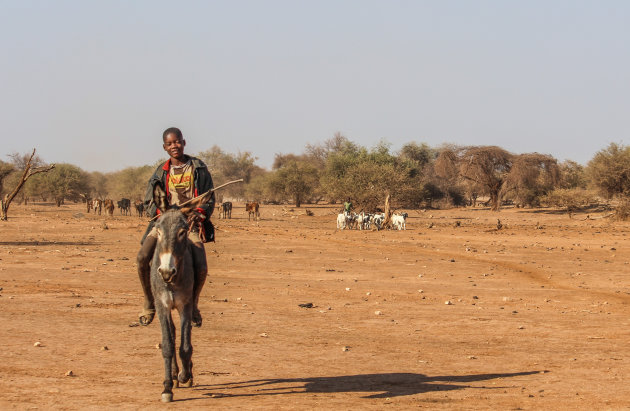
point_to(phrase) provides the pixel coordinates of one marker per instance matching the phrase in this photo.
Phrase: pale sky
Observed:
(94, 83)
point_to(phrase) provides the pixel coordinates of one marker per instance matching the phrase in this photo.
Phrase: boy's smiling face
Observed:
(174, 146)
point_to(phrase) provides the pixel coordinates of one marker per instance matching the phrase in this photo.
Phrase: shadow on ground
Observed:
(55, 243)
(381, 385)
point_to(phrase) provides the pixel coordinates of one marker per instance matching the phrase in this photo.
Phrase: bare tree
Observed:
(29, 171)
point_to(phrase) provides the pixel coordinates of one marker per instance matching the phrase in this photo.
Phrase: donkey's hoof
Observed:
(187, 384)
(167, 397)
(175, 383)
(196, 318)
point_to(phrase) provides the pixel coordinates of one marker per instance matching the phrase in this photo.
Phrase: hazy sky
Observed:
(94, 83)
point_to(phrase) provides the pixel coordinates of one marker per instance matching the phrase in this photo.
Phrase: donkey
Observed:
(172, 281)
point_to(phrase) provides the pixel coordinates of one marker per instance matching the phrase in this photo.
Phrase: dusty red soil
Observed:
(538, 316)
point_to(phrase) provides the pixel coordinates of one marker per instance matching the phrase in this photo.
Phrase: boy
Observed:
(182, 177)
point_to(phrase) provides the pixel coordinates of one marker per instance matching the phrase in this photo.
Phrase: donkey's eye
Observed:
(182, 234)
(159, 233)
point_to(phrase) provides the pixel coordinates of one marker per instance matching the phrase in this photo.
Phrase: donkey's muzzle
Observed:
(168, 273)
(167, 267)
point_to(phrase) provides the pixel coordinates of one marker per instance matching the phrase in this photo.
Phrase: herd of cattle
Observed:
(124, 205)
(367, 221)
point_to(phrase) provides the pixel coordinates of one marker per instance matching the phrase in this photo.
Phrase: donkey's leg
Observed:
(144, 273)
(185, 348)
(168, 351)
(174, 367)
(201, 273)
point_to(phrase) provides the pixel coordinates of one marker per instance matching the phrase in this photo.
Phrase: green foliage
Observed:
(65, 181)
(609, 171)
(226, 167)
(130, 182)
(296, 179)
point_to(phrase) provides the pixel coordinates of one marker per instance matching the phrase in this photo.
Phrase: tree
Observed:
(497, 172)
(531, 177)
(28, 172)
(296, 178)
(485, 166)
(609, 171)
(65, 182)
(227, 167)
(5, 170)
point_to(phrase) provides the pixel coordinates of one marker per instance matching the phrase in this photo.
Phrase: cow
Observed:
(226, 210)
(125, 206)
(252, 210)
(139, 205)
(97, 205)
(108, 205)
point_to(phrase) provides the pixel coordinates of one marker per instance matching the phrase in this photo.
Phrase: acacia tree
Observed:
(67, 181)
(531, 177)
(609, 171)
(226, 167)
(28, 172)
(485, 166)
(296, 178)
(498, 172)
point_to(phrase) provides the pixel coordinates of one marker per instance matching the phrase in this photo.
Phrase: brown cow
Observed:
(252, 209)
(108, 205)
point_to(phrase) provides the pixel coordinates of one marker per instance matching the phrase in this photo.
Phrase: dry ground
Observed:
(538, 316)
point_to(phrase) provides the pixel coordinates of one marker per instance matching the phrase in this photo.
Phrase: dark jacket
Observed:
(202, 181)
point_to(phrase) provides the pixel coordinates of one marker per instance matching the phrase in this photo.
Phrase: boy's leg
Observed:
(200, 266)
(144, 273)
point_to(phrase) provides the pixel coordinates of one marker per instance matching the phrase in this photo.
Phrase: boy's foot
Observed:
(146, 316)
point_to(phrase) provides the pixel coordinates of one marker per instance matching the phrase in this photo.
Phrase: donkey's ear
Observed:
(159, 198)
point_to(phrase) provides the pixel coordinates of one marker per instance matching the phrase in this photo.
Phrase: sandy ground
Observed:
(537, 314)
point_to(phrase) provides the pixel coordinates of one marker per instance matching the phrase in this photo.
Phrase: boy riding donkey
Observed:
(182, 177)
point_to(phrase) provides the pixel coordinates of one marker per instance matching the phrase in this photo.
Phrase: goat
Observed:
(378, 220)
(341, 221)
(172, 282)
(399, 221)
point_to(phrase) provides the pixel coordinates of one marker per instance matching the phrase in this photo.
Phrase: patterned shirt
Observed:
(180, 183)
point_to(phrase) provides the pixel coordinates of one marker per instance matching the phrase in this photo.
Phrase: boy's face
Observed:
(174, 146)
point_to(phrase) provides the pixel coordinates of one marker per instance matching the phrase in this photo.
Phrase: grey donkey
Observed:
(172, 282)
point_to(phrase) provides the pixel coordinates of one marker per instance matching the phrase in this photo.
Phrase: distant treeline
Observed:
(416, 176)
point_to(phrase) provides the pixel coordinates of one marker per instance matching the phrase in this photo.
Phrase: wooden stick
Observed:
(207, 193)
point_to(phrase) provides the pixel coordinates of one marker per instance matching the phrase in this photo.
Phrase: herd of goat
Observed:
(367, 221)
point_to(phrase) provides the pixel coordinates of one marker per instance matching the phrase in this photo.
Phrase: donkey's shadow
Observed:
(385, 385)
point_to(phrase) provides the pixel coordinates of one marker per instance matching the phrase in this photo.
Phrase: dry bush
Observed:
(572, 199)
(623, 210)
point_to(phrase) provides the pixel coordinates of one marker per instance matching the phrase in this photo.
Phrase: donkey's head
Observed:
(172, 233)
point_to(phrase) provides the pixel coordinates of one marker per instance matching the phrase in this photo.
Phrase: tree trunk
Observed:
(388, 214)
(494, 201)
